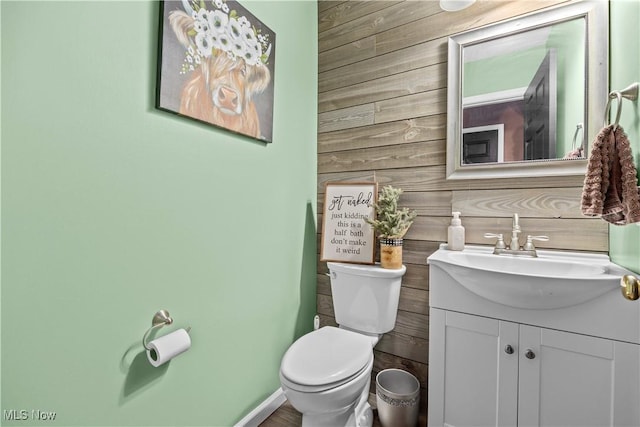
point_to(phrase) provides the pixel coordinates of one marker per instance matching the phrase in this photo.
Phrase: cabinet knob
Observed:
(630, 287)
(529, 354)
(508, 349)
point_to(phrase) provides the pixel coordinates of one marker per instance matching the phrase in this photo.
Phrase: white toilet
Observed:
(326, 373)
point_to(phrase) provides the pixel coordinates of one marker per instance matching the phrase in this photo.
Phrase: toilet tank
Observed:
(365, 297)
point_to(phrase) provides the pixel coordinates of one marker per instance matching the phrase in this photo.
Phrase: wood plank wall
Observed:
(382, 115)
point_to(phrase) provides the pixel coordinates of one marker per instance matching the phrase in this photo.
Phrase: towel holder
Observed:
(579, 127)
(630, 93)
(160, 319)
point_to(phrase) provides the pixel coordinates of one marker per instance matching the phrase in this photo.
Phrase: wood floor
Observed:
(286, 416)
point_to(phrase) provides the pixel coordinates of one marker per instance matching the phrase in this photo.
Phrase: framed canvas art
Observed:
(216, 64)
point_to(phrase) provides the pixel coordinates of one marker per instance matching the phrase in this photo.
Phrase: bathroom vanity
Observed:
(517, 341)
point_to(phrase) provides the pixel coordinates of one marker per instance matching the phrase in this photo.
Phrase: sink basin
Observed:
(553, 280)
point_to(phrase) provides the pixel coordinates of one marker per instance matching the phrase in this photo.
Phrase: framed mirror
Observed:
(526, 96)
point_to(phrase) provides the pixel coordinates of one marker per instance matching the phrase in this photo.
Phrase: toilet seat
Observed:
(325, 358)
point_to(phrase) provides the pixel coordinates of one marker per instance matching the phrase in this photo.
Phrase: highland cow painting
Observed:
(216, 65)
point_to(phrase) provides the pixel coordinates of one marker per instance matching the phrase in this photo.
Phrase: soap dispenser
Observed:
(455, 233)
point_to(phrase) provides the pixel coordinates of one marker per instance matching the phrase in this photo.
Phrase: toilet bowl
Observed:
(326, 373)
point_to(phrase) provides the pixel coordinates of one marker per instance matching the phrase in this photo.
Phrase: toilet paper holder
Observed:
(160, 319)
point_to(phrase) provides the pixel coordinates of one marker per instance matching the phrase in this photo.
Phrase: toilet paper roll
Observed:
(167, 347)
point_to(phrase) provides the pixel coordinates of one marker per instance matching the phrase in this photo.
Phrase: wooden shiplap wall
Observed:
(382, 115)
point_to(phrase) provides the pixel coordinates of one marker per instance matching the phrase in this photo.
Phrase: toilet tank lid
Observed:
(366, 270)
(327, 355)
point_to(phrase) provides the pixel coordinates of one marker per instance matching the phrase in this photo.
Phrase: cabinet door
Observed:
(472, 379)
(576, 380)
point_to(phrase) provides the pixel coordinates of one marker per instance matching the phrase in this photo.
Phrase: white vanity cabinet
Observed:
(494, 364)
(472, 381)
(489, 372)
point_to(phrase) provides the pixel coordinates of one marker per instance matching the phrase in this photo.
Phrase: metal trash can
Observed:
(397, 396)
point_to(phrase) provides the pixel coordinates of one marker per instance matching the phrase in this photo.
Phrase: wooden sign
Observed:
(346, 236)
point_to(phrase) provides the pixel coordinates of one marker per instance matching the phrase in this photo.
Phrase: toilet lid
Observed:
(327, 355)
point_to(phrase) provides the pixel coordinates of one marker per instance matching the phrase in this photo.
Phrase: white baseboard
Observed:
(262, 411)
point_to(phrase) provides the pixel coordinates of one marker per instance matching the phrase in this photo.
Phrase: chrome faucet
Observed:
(515, 230)
(514, 247)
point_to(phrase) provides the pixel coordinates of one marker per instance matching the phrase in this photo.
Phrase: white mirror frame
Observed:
(596, 14)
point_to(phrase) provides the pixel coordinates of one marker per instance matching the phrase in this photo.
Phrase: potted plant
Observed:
(391, 224)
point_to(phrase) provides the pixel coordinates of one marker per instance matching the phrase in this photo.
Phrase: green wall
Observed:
(510, 71)
(624, 242)
(112, 210)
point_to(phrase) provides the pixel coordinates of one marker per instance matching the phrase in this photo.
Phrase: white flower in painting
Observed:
(257, 48)
(204, 14)
(238, 47)
(244, 21)
(219, 31)
(204, 43)
(224, 42)
(204, 19)
(249, 37)
(251, 57)
(215, 42)
(218, 21)
(197, 25)
(234, 28)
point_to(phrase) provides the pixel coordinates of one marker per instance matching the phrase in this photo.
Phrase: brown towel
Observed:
(574, 154)
(610, 185)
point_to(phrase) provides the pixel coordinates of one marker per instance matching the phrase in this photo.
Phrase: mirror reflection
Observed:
(523, 95)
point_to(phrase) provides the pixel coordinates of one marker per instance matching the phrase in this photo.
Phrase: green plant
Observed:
(391, 222)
